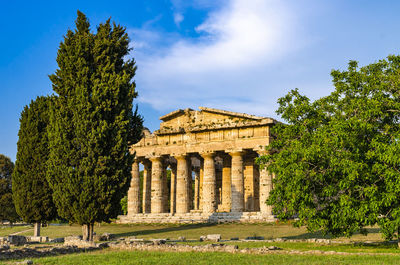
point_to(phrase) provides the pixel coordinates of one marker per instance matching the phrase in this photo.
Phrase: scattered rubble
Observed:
(75, 244)
(34, 252)
(214, 237)
(103, 237)
(255, 238)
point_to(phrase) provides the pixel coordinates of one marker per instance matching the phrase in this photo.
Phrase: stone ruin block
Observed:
(38, 239)
(16, 240)
(214, 237)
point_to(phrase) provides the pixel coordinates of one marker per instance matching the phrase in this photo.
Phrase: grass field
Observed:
(6, 230)
(194, 231)
(144, 257)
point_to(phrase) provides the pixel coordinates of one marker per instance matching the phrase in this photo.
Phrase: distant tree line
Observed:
(7, 208)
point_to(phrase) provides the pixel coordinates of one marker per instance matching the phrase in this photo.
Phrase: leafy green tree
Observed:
(31, 191)
(124, 205)
(92, 124)
(7, 209)
(336, 160)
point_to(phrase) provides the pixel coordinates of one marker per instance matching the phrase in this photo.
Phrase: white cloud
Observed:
(178, 18)
(229, 66)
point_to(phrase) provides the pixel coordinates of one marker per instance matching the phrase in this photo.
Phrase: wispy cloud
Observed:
(178, 18)
(228, 66)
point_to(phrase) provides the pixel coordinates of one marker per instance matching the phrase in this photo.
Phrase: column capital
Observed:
(236, 153)
(181, 156)
(207, 154)
(155, 158)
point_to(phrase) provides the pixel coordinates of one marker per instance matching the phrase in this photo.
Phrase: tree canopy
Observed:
(92, 123)
(336, 160)
(31, 191)
(7, 209)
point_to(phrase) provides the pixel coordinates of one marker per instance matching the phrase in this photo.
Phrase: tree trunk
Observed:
(91, 228)
(36, 229)
(87, 232)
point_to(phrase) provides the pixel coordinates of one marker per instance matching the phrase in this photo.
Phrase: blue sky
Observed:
(238, 55)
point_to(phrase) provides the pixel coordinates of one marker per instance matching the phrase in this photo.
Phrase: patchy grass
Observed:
(194, 231)
(145, 257)
(6, 229)
(304, 246)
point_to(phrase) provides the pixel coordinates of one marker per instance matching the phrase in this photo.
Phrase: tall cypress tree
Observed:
(31, 192)
(7, 209)
(92, 124)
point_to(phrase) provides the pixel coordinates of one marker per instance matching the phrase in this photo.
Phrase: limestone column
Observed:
(265, 189)
(173, 188)
(256, 188)
(165, 192)
(146, 203)
(201, 173)
(237, 187)
(189, 187)
(182, 177)
(226, 184)
(156, 185)
(209, 184)
(133, 192)
(218, 185)
(196, 189)
(249, 183)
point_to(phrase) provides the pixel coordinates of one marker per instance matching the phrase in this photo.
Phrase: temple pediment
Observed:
(190, 120)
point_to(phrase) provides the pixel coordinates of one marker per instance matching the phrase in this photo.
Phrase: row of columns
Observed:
(155, 196)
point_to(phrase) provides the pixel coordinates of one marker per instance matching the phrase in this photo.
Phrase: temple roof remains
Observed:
(189, 120)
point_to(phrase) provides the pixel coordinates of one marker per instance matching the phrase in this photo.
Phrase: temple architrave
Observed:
(210, 155)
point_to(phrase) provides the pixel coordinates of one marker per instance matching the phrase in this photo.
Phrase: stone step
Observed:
(196, 217)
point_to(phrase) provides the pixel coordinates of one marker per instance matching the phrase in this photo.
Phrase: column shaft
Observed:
(249, 183)
(226, 184)
(173, 189)
(265, 189)
(201, 183)
(182, 194)
(209, 184)
(156, 185)
(189, 186)
(146, 203)
(165, 192)
(133, 192)
(237, 182)
(196, 189)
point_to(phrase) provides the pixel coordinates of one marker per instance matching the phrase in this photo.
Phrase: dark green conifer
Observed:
(31, 192)
(92, 123)
(7, 209)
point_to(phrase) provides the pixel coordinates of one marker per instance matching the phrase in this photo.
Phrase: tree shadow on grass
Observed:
(320, 235)
(165, 229)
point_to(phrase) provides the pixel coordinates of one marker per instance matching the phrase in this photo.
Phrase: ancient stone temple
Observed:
(200, 166)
